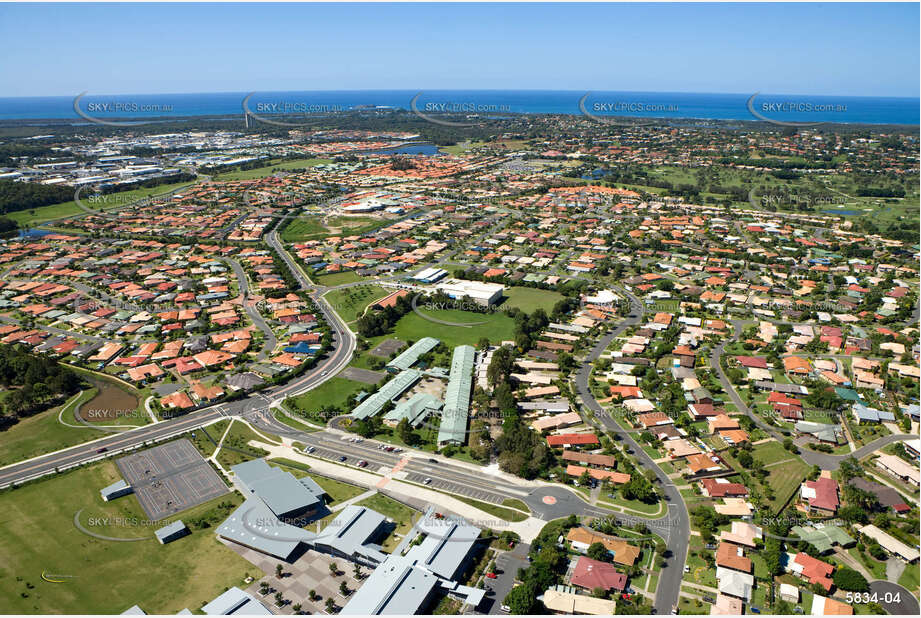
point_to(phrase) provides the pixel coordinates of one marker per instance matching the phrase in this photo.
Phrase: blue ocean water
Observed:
(786, 108)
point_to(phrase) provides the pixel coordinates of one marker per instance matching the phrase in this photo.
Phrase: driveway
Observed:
(507, 565)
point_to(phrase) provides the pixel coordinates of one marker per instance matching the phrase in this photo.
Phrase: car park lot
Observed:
(453, 487)
(507, 565)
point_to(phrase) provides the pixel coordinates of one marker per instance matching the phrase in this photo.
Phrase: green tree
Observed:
(847, 578)
(597, 551)
(521, 599)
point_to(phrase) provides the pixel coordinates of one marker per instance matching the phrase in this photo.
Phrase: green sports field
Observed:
(496, 327)
(37, 534)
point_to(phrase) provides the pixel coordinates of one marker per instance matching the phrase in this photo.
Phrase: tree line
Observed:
(32, 383)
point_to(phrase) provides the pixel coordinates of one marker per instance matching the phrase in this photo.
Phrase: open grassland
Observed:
(38, 535)
(531, 299)
(333, 392)
(786, 471)
(272, 167)
(44, 433)
(307, 227)
(238, 439)
(347, 276)
(303, 228)
(350, 303)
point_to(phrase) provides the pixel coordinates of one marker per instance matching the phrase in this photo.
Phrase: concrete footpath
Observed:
(527, 529)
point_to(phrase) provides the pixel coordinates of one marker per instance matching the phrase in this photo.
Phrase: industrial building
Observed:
(485, 294)
(353, 535)
(255, 526)
(453, 428)
(275, 498)
(412, 354)
(430, 559)
(235, 602)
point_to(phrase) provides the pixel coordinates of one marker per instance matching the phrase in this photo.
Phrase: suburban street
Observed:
(675, 528)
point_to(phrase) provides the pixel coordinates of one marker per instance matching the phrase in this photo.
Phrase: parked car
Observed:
(362, 463)
(342, 458)
(427, 481)
(102, 450)
(491, 576)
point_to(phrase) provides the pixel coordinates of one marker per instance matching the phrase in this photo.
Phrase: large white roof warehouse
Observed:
(482, 293)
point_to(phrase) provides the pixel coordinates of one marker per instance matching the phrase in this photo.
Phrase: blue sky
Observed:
(833, 49)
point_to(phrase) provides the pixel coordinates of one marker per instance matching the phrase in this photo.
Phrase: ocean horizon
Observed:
(670, 105)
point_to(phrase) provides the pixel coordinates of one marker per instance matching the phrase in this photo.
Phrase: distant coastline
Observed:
(675, 106)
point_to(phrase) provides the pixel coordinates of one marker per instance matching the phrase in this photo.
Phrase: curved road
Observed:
(256, 405)
(676, 527)
(253, 312)
(825, 461)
